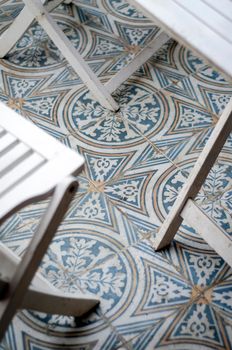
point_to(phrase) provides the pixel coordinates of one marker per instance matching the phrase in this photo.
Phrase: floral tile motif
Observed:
(35, 50)
(124, 10)
(136, 162)
(109, 275)
(186, 119)
(216, 194)
(216, 101)
(140, 113)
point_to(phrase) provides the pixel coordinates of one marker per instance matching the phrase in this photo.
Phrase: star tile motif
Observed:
(136, 162)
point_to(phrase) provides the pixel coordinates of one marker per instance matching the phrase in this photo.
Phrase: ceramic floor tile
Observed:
(212, 76)
(124, 10)
(28, 96)
(141, 115)
(137, 160)
(159, 291)
(17, 231)
(115, 192)
(214, 198)
(126, 182)
(112, 43)
(170, 64)
(9, 10)
(210, 93)
(35, 50)
(196, 327)
(88, 262)
(186, 118)
(174, 62)
(198, 315)
(9, 228)
(54, 336)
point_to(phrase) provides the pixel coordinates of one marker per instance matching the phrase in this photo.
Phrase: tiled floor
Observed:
(136, 162)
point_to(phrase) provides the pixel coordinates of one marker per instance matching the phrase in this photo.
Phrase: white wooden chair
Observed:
(37, 9)
(33, 165)
(205, 26)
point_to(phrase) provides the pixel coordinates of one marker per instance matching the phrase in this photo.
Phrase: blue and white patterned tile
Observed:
(28, 96)
(17, 232)
(9, 10)
(136, 162)
(212, 94)
(124, 10)
(84, 261)
(211, 76)
(187, 119)
(159, 291)
(20, 336)
(35, 50)
(202, 314)
(114, 189)
(89, 263)
(141, 115)
(9, 228)
(93, 17)
(215, 197)
(196, 326)
(172, 63)
(182, 60)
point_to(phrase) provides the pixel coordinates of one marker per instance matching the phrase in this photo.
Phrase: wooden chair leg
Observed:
(71, 54)
(137, 62)
(10, 37)
(197, 177)
(57, 302)
(19, 26)
(35, 252)
(34, 9)
(208, 229)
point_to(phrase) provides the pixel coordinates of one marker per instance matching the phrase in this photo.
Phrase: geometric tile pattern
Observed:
(137, 160)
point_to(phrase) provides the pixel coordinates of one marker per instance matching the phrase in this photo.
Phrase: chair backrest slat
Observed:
(25, 131)
(12, 157)
(208, 16)
(20, 171)
(32, 163)
(224, 7)
(6, 142)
